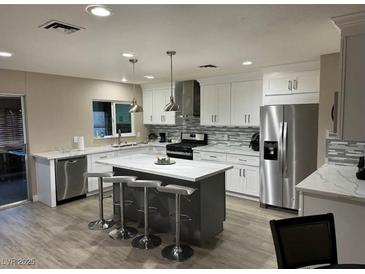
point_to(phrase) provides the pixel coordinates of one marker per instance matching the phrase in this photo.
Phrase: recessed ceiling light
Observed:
(149, 77)
(128, 55)
(99, 10)
(247, 63)
(124, 79)
(5, 54)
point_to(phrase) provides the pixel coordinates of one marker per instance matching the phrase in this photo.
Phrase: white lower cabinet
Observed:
(243, 178)
(93, 166)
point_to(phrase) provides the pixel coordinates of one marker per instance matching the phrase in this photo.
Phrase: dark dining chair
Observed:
(305, 241)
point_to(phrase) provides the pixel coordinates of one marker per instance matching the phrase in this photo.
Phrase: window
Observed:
(110, 118)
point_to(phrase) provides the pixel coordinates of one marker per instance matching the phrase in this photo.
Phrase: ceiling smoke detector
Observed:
(208, 66)
(61, 27)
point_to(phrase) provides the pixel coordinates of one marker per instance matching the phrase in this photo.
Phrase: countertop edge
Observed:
(161, 174)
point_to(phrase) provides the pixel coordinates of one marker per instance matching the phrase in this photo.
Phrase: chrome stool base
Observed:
(177, 253)
(123, 233)
(146, 242)
(101, 224)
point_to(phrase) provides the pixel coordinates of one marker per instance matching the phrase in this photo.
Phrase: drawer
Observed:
(243, 160)
(211, 156)
(101, 156)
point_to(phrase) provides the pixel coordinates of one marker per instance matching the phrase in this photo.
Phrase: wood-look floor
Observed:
(59, 238)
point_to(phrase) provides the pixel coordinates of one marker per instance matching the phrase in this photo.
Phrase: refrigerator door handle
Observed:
(285, 145)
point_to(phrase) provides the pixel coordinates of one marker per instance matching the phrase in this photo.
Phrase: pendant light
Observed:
(171, 106)
(134, 107)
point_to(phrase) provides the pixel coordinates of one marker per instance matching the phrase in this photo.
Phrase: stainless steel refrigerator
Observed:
(288, 151)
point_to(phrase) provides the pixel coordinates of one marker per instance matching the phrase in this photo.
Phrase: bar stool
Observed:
(100, 224)
(146, 240)
(124, 232)
(177, 251)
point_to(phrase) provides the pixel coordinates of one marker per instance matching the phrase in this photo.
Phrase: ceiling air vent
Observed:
(208, 66)
(59, 26)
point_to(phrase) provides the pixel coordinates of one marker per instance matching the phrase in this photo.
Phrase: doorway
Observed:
(13, 155)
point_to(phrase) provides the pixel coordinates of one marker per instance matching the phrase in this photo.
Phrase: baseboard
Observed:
(242, 196)
(35, 198)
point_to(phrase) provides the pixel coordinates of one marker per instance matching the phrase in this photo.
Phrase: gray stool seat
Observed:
(176, 189)
(177, 251)
(98, 174)
(124, 232)
(146, 240)
(100, 224)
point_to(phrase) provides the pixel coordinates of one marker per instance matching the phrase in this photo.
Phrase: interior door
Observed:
(13, 152)
(300, 149)
(271, 130)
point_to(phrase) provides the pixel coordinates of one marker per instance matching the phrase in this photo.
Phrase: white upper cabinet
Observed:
(147, 106)
(215, 105)
(307, 81)
(291, 84)
(154, 100)
(351, 106)
(275, 85)
(246, 99)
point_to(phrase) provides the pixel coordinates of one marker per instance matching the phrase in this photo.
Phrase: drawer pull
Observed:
(242, 160)
(211, 156)
(103, 157)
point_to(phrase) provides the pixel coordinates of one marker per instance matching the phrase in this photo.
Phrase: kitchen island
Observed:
(203, 213)
(335, 189)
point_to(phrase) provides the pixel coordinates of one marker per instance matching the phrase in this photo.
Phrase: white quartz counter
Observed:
(57, 154)
(336, 181)
(183, 169)
(239, 150)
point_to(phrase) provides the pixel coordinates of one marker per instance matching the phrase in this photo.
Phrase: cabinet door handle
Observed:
(295, 84)
(240, 172)
(243, 172)
(245, 118)
(212, 118)
(215, 118)
(151, 118)
(290, 85)
(249, 116)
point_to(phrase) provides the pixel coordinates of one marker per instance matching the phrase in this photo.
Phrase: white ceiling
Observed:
(224, 35)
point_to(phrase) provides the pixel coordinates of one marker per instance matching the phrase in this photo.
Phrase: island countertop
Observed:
(336, 181)
(183, 169)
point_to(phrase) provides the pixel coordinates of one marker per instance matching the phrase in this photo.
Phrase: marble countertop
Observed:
(336, 181)
(183, 169)
(240, 150)
(57, 154)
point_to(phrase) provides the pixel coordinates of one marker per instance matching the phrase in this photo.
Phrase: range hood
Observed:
(187, 96)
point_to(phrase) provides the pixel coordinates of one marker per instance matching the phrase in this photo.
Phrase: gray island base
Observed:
(203, 213)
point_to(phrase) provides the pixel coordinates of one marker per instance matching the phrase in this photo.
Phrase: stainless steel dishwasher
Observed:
(70, 182)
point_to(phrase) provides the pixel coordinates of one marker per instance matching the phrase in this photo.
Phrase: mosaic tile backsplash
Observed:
(216, 135)
(343, 152)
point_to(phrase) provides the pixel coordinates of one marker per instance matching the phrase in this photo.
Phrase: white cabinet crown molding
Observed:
(273, 71)
(350, 24)
(227, 79)
(157, 86)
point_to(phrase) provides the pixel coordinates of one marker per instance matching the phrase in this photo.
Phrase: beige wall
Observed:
(60, 107)
(328, 85)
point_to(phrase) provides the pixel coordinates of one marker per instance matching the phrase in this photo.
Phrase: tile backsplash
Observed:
(343, 152)
(222, 135)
